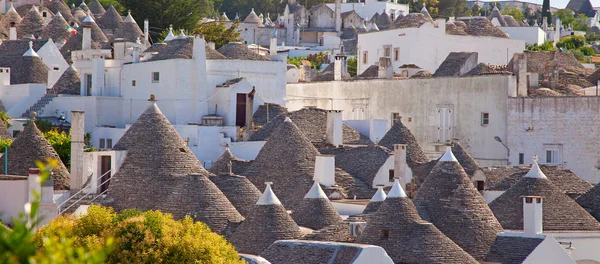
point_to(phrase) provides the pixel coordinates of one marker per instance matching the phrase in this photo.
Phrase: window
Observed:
(16, 133)
(396, 54)
(553, 153)
(480, 185)
(365, 57)
(485, 119)
(132, 82)
(155, 77)
(521, 158)
(109, 143)
(391, 175)
(385, 234)
(387, 51)
(405, 73)
(528, 200)
(56, 68)
(44, 14)
(102, 144)
(88, 84)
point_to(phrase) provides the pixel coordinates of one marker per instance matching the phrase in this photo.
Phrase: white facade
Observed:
(562, 131)
(531, 35)
(419, 103)
(429, 45)
(368, 8)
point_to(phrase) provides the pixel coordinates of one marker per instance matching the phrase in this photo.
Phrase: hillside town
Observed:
(376, 131)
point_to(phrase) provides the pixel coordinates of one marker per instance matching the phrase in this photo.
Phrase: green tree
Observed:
(546, 11)
(183, 14)
(515, 12)
(567, 16)
(352, 66)
(571, 42)
(546, 46)
(5, 117)
(143, 237)
(105, 3)
(18, 244)
(219, 33)
(61, 142)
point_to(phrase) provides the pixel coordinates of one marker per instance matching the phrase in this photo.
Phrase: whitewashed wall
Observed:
(20, 97)
(531, 35)
(13, 197)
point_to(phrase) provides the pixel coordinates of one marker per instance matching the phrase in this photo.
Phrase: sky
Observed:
(557, 3)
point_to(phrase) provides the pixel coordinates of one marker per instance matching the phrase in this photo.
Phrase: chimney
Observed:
(557, 31)
(136, 54)
(4, 76)
(334, 127)
(86, 43)
(400, 163)
(97, 75)
(77, 144)
(532, 215)
(273, 46)
(199, 56)
(338, 16)
(337, 69)
(146, 32)
(33, 181)
(325, 170)
(211, 45)
(12, 32)
(385, 68)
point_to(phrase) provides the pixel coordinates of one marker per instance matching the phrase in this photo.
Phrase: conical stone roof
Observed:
(591, 201)
(451, 202)
(96, 8)
(84, 6)
(252, 18)
(56, 29)
(398, 228)
(11, 16)
(97, 33)
(129, 30)
(68, 83)
(4, 133)
(315, 211)
(222, 165)
(287, 160)
(384, 21)
(160, 172)
(559, 212)
(111, 19)
(376, 201)
(29, 69)
(239, 190)
(267, 222)
(464, 158)
(29, 147)
(400, 134)
(80, 14)
(32, 24)
(59, 6)
(426, 13)
(495, 13)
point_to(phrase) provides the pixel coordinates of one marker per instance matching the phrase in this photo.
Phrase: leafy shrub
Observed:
(587, 51)
(5, 143)
(589, 37)
(143, 237)
(546, 46)
(5, 117)
(571, 42)
(352, 66)
(61, 142)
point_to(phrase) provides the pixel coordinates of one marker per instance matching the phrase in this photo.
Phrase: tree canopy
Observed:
(515, 12)
(218, 33)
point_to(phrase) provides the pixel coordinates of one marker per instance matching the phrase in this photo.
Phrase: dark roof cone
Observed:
(464, 158)
(111, 19)
(239, 190)
(400, 134)
(315, 211)
(398, 228)
(287, 160)
(32, 24)
(267, 222)
(160, 172)
(227, 163)
(560, 213)
(376, 201)
(451, 202)
(29, 147)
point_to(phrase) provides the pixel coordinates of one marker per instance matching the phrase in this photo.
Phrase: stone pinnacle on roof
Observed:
(89, 18)
(315, 211)
(11, 16)
(111, 19)
(128, 30)
(68, 83)
(375, 201)
(97, 8)
(181, 34)
(396, 191)
(373, 26)
(224, 17)
(400, 134)
(535, 171)
(266, 223)
(129, 18)
(160, 172)
(83, 6)
(464, 158)
(30, 52)
(170, 36)
(32, 24)
(316, 192)
(425, 12)
(448, 199)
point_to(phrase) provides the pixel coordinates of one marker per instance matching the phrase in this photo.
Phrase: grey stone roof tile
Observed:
(111, 19)
(512, 250)
(239, 51)
(239, 190)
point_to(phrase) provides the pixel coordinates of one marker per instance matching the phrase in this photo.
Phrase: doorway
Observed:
(240, 110)
(105, 167)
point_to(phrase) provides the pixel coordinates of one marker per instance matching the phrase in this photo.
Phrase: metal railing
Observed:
(87, 186)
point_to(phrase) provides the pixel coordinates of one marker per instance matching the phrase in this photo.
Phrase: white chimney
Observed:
(86, 43)
(325, 170)
(338, 16)
(334, 127)
(136, 54)
(400, 163)
(199, 55)
(146, 32)
(337, 69)
(532, 215)
(77, 144)
(273, 46)
(12, 35)
(4, 76)
(33, 182)
(97, 76)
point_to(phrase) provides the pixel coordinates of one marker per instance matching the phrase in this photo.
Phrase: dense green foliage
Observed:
(5, 117)
(546, 46)
(352, 66)
(453, 8)
(587, 51)
(43, 125)
(61, 142)
(316, 60)
(17, 243)
(567, 17)
(142, 237)
(218, 33)
(5, 143)
(571, 42)
(515, 12)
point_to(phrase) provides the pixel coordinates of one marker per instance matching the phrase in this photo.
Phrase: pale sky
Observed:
(557, 3)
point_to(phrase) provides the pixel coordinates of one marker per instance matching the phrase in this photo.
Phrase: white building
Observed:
(367, 9)
(428, 45)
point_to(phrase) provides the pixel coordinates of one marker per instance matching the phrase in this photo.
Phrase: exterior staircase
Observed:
(81, 199)
(37, 107)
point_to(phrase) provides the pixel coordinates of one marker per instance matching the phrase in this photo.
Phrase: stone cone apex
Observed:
(97, 33)
(84, 6)
(29, 147)
(397, 227)
(397, 191)
(315, 211)
(239, 190)
(128, 30)
(224, 163)
(375, 201)
(287, 160)
(464, 158)
(111, 19)
(400, 134)
(30, 52)
(560, 212)
(89, 18)
(265, 224)
(425, 12)
(56, 29)
(224, 17)
(96, 8)
(32, 24)
(448, 199)
(68, 83)
(268, 197)
(316, 192)
(170, 36)
(160, 172)
(11, 16)
(535, 171)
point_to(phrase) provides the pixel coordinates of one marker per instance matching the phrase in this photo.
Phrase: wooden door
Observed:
(105, 167)
(240, 110)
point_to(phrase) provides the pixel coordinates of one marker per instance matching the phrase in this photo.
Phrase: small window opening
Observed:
(385, 234)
